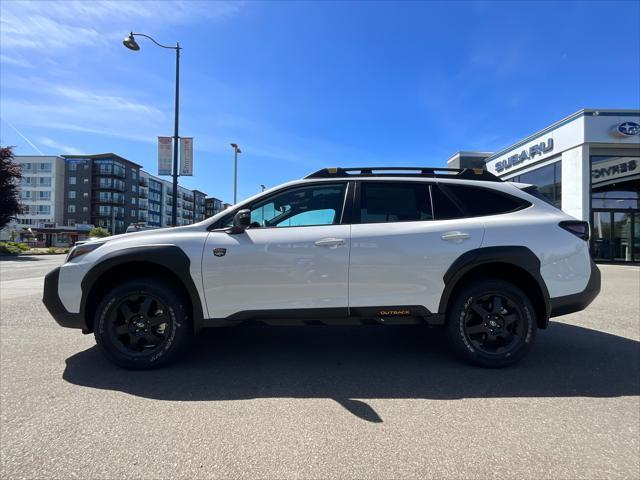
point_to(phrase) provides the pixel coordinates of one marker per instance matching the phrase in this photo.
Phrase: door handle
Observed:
(329, 242)
(455, 236)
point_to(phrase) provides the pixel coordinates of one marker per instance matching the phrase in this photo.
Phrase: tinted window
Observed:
(482, 201)
(394, 202)
(300, 207)
(443, 206)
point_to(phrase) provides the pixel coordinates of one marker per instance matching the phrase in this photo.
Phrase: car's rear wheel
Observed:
(491, 323)
(143, 323)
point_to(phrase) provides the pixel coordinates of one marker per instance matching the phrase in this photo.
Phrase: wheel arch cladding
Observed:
(515, 264)
(167, 262)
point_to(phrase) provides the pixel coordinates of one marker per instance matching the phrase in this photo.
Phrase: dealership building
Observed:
(587, 164)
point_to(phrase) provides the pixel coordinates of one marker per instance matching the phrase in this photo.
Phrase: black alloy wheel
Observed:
(493, 324)
(143, 323)
(139, 324)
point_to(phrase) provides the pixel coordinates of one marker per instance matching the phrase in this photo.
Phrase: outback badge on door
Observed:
(219, 252)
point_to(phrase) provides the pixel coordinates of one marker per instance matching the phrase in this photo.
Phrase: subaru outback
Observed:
(489, 261)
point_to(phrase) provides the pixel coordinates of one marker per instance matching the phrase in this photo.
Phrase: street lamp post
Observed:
(131, 44)
(236, 151)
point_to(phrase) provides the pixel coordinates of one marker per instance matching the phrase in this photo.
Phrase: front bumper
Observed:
(53, 303)
(578, 301)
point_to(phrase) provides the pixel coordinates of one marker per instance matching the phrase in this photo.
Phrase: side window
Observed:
(394, 202)
(300, 207)
(443, 206)
(479, 201)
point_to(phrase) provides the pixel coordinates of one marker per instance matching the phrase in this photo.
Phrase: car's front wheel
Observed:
(143, 323)
(491, 323)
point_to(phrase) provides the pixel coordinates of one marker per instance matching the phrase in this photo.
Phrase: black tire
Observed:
(491, 323)
(143, 323)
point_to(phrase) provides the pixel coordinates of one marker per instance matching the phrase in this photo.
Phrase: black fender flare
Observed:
(170, 257)
(518, 256)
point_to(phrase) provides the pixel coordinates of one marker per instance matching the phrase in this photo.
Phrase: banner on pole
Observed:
(186, 156)
(164, 155)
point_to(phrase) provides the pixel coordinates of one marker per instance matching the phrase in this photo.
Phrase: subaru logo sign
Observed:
(627, 129)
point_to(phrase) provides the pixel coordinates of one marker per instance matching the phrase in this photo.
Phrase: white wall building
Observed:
(41, 193)
(587, 164)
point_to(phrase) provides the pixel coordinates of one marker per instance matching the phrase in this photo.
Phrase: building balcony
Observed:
(116, 186)
(110, 172)
(108, 201)
(143, 194)
(143, 182)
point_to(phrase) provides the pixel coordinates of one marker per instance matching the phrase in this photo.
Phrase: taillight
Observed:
(579, 229)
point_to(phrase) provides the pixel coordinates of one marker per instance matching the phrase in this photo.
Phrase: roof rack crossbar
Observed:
(431, 172)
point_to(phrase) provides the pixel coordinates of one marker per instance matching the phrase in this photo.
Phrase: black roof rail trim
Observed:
(430, 172)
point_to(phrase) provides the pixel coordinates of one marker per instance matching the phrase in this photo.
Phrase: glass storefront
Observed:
(615, 208)
(548, 179)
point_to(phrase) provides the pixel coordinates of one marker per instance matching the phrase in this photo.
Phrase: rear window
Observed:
(394, 202)
(443, 206)
(478, 201)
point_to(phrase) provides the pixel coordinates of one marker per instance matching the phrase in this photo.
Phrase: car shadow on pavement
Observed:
(352, 364)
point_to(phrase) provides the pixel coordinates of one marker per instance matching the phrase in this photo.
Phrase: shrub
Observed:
(99, 232)
(12, 248)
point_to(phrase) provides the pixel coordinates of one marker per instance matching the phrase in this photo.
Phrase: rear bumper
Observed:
(53, 303)
(577, 301)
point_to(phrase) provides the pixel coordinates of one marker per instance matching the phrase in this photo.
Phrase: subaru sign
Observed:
(526, 154)
(627, 129)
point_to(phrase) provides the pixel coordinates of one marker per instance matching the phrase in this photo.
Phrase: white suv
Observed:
(491, 261)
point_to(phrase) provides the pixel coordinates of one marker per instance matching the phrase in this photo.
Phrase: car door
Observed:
(293, 257)
(400, 250)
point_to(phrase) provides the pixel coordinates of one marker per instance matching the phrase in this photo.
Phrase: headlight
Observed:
(83, 249)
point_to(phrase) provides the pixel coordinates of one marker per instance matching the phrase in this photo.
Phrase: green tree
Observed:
(10, 174)
(99, 232)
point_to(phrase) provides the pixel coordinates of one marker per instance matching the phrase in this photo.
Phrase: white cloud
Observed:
(18, 62)
(59, 148)
(68, 24)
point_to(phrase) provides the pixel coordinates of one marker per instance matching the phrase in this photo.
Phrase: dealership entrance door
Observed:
(615, 235)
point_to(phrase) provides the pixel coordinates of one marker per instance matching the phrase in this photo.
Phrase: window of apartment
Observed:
(394, 202)
(45, 167)
(45, 181)
(25, 194)
(85, 195)
(104, 210)
(72, 180)
(44, 195)
(86, 180)
(72, 194)
(85, 209)
(72, 166)
(71, 222)
(44, 209)
(26, 166)
(134, 174)
(133, 201)
(71, 209)
(133, 213)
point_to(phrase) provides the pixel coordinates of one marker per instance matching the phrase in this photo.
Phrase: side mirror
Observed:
(241, 221)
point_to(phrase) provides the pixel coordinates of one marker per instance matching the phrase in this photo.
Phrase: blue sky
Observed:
(303, 85)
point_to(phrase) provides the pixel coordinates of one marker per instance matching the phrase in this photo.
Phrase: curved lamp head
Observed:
(131, 43)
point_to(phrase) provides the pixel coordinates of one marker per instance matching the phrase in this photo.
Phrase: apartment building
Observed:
(102, 190)
(213, 206)
(65, 196)
(41, 194)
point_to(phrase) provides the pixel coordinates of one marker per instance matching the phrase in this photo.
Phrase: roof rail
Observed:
(430, 172)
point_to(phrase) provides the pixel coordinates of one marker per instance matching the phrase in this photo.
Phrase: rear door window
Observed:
(479, 201)
(381, 202)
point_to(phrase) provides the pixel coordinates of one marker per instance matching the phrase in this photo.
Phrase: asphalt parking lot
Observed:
(320, 402)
